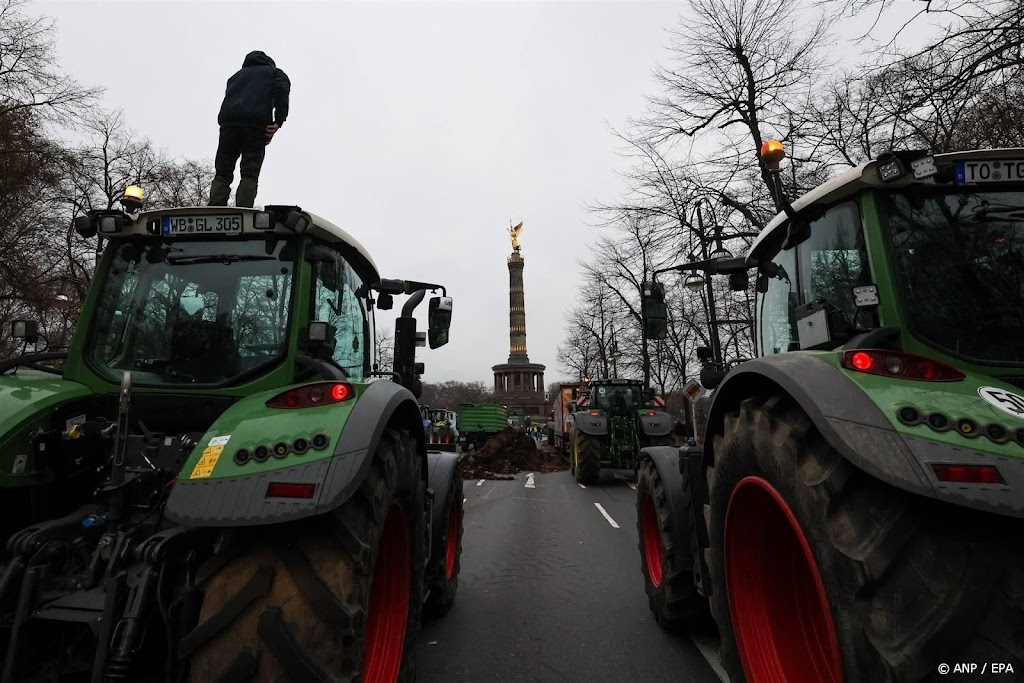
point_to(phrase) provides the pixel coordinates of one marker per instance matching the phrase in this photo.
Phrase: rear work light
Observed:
(901, 365)
(969, 474)
(312, 395)
(283, 490)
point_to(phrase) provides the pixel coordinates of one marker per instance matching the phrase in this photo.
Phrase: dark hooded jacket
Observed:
(257, 95)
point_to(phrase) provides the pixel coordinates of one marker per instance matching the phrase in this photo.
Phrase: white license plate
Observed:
(222, 224)
(994, 171)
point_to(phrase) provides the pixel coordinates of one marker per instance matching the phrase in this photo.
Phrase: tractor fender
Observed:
(854, 426)
(442, 468)
(659, 424)
(241, 501)
(594, 425)
(666, 460)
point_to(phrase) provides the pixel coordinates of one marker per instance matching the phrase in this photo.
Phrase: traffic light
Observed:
(654, 310)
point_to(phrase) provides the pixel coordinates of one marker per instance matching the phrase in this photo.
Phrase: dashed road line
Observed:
(582, 486)
(631, 485)
(481, 482)
(604, 512)
(529, 481)
(709, 651)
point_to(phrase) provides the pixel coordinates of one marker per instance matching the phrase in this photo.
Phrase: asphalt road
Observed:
(551, 590)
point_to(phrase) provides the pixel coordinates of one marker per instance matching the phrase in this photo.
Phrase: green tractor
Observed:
(856, 509)
(216, 485)
(611, 426)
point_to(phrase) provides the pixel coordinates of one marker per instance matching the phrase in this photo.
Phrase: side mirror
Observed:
(25, 329)
(318, 339)
(703, 355)
(739, 282)
(85, 226)
(654, 310)
(439, 319)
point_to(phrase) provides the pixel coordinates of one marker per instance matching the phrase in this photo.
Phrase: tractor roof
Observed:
(851, 181)
(318, 226)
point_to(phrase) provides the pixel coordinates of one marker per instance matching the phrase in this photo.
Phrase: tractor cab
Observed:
(924, 252)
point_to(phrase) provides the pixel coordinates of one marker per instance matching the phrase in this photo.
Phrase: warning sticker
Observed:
(208, 460)
(1006, 401)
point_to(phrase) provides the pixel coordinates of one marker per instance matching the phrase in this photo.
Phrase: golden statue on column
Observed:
(514, 232)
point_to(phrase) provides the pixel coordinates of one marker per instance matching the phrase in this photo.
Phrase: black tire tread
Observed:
(913, 582)
(442, 593)
(588, 449)
(339, 550)
(676, 604)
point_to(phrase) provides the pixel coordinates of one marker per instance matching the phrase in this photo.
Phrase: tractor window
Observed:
(834, 260)
(191, 311)
(611, 397)
(777, 305)
(335, 302)
(959, 258)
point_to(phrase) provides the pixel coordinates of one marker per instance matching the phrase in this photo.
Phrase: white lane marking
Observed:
(465, 499)
(529, 481)
(607, 516)
(631, 485)
(582, 486)
(481, 482)
(709, 650)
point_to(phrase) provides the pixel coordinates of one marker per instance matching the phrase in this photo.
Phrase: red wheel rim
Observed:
(652, 541)
(389, 601)
(777, 602)
(451, 547)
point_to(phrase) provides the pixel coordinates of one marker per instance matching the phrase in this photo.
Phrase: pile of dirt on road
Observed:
(510, 452)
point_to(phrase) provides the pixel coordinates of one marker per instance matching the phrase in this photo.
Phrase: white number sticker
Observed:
(1004, 400)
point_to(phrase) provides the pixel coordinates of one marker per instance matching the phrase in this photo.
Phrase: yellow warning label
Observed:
(207, 461)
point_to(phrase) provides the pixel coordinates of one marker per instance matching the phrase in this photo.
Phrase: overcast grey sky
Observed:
(422, 128)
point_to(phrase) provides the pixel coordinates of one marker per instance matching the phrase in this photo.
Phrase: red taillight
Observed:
(281, 490)
(861, 361)
(313, 395)
(650, 413)
(969, 474)
(900, 364)
(594, 413)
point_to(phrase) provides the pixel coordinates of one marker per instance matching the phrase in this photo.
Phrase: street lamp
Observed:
(694, 282)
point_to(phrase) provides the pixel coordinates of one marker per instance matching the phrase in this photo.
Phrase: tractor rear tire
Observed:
(588, 458)
(821, 572)
(446, 582)
(334, 598)
(671, 591)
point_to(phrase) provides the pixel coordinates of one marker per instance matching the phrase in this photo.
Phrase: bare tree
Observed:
(384, 349)
(30, 78)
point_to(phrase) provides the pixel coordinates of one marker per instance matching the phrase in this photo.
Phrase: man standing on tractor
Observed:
(255, 107)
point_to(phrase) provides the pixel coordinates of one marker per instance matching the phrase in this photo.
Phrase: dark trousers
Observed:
(251, 145)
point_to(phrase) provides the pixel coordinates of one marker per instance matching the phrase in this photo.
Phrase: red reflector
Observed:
(861, 361)
(968, 474)
(594, 413)
(899, 364)
(278, 490)
(650, 413)
(312, 395)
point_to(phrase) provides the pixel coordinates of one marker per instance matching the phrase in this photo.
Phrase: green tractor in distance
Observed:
(219, 484)
(614, 422)
(856, 509)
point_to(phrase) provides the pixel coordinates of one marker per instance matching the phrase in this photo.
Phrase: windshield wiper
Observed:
(998, 212)
(215, 258)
